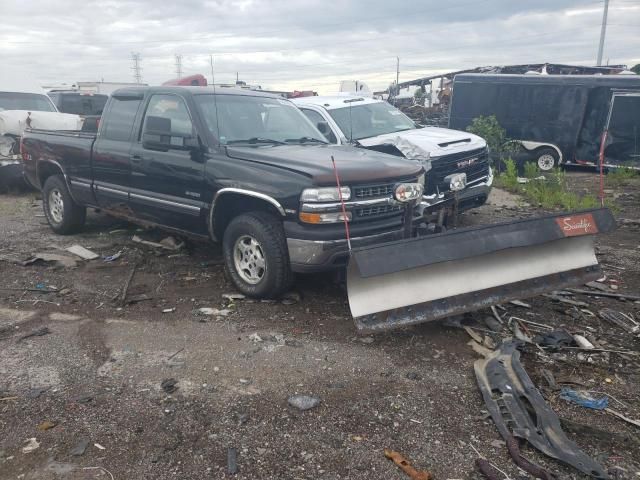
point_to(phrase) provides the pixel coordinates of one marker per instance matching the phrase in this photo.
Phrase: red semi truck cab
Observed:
(191, 81)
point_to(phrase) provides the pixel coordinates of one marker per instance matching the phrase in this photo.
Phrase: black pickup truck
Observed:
(241, 167)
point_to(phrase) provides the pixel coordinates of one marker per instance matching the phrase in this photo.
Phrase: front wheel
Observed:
(63, 214)
(256, 255)
(547, 159)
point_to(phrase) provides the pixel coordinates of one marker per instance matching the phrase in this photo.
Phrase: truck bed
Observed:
(71, 148)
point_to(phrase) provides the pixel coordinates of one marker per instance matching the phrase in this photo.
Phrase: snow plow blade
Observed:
(427, 278)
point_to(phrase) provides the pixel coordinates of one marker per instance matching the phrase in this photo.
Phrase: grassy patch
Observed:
(617, 177)
(549, 191)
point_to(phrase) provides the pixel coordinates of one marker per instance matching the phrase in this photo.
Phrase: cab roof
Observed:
(209, 90)
(331, 102)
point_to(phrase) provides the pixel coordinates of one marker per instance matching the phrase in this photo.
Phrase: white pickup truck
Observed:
(457, 163)
(22, 106)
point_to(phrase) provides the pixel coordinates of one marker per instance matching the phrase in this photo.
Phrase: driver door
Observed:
(167, 182)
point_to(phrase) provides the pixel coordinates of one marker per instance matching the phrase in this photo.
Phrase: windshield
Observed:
(370, 120)
(257, 120)
(25, 101)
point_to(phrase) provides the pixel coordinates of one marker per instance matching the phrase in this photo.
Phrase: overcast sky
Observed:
(305, 44)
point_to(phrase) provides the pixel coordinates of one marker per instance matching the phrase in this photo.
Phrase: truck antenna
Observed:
(350, 125)
(215, 97)
(350, 101)
(344, 209)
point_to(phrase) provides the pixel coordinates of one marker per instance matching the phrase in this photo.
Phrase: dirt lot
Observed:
(97, 372)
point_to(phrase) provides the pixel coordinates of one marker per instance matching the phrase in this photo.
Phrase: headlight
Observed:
(332, 217)
(407, 192)
(457, 181)
(327, 194)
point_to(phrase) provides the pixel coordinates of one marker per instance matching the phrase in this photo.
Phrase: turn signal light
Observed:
(315, 218)
(310, 217)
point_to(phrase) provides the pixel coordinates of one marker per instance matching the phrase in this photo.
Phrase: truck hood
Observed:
(426, 143)
(314, 161)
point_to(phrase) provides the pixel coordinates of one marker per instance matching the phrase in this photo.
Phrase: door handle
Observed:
(136, 158)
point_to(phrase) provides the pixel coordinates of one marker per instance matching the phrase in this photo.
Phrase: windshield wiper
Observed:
(305, 140)
(255, 140)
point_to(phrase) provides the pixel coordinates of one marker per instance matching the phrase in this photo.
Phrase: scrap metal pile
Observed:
(521, 410)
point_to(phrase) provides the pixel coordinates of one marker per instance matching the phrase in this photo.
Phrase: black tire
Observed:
(64, 215)
(266, 229)
(543, 159)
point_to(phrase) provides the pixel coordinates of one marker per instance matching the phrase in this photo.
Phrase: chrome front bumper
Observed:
(312, 255)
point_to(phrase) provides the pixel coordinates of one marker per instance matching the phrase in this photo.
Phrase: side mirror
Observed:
(324, 128)
(157, 135)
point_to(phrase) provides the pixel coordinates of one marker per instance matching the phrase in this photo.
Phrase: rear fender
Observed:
(47, 168)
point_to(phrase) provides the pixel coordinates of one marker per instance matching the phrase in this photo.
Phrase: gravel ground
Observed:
(96, 373)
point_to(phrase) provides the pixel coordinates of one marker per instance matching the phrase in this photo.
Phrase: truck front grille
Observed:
(474, 163)
(380, 211)
(372, 191)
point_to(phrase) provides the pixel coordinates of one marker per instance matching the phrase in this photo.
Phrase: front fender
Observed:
(240, 191)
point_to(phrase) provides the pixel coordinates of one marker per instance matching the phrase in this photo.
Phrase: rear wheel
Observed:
(547, 159)
(63, 214)
(256, 255)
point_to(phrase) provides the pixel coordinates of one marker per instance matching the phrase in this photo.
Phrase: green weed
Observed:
(531, 170)
(617, 177)
(549, 192)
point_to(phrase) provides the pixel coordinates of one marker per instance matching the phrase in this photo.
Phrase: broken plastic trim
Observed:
(518, 409)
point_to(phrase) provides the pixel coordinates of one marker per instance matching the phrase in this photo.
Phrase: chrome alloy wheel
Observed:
(56, 205)
(248, 258)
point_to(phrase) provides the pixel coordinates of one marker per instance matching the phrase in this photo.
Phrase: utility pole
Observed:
(137, 69)
(179, 65)
(397, 79)
(213, 77)
(603, 31)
